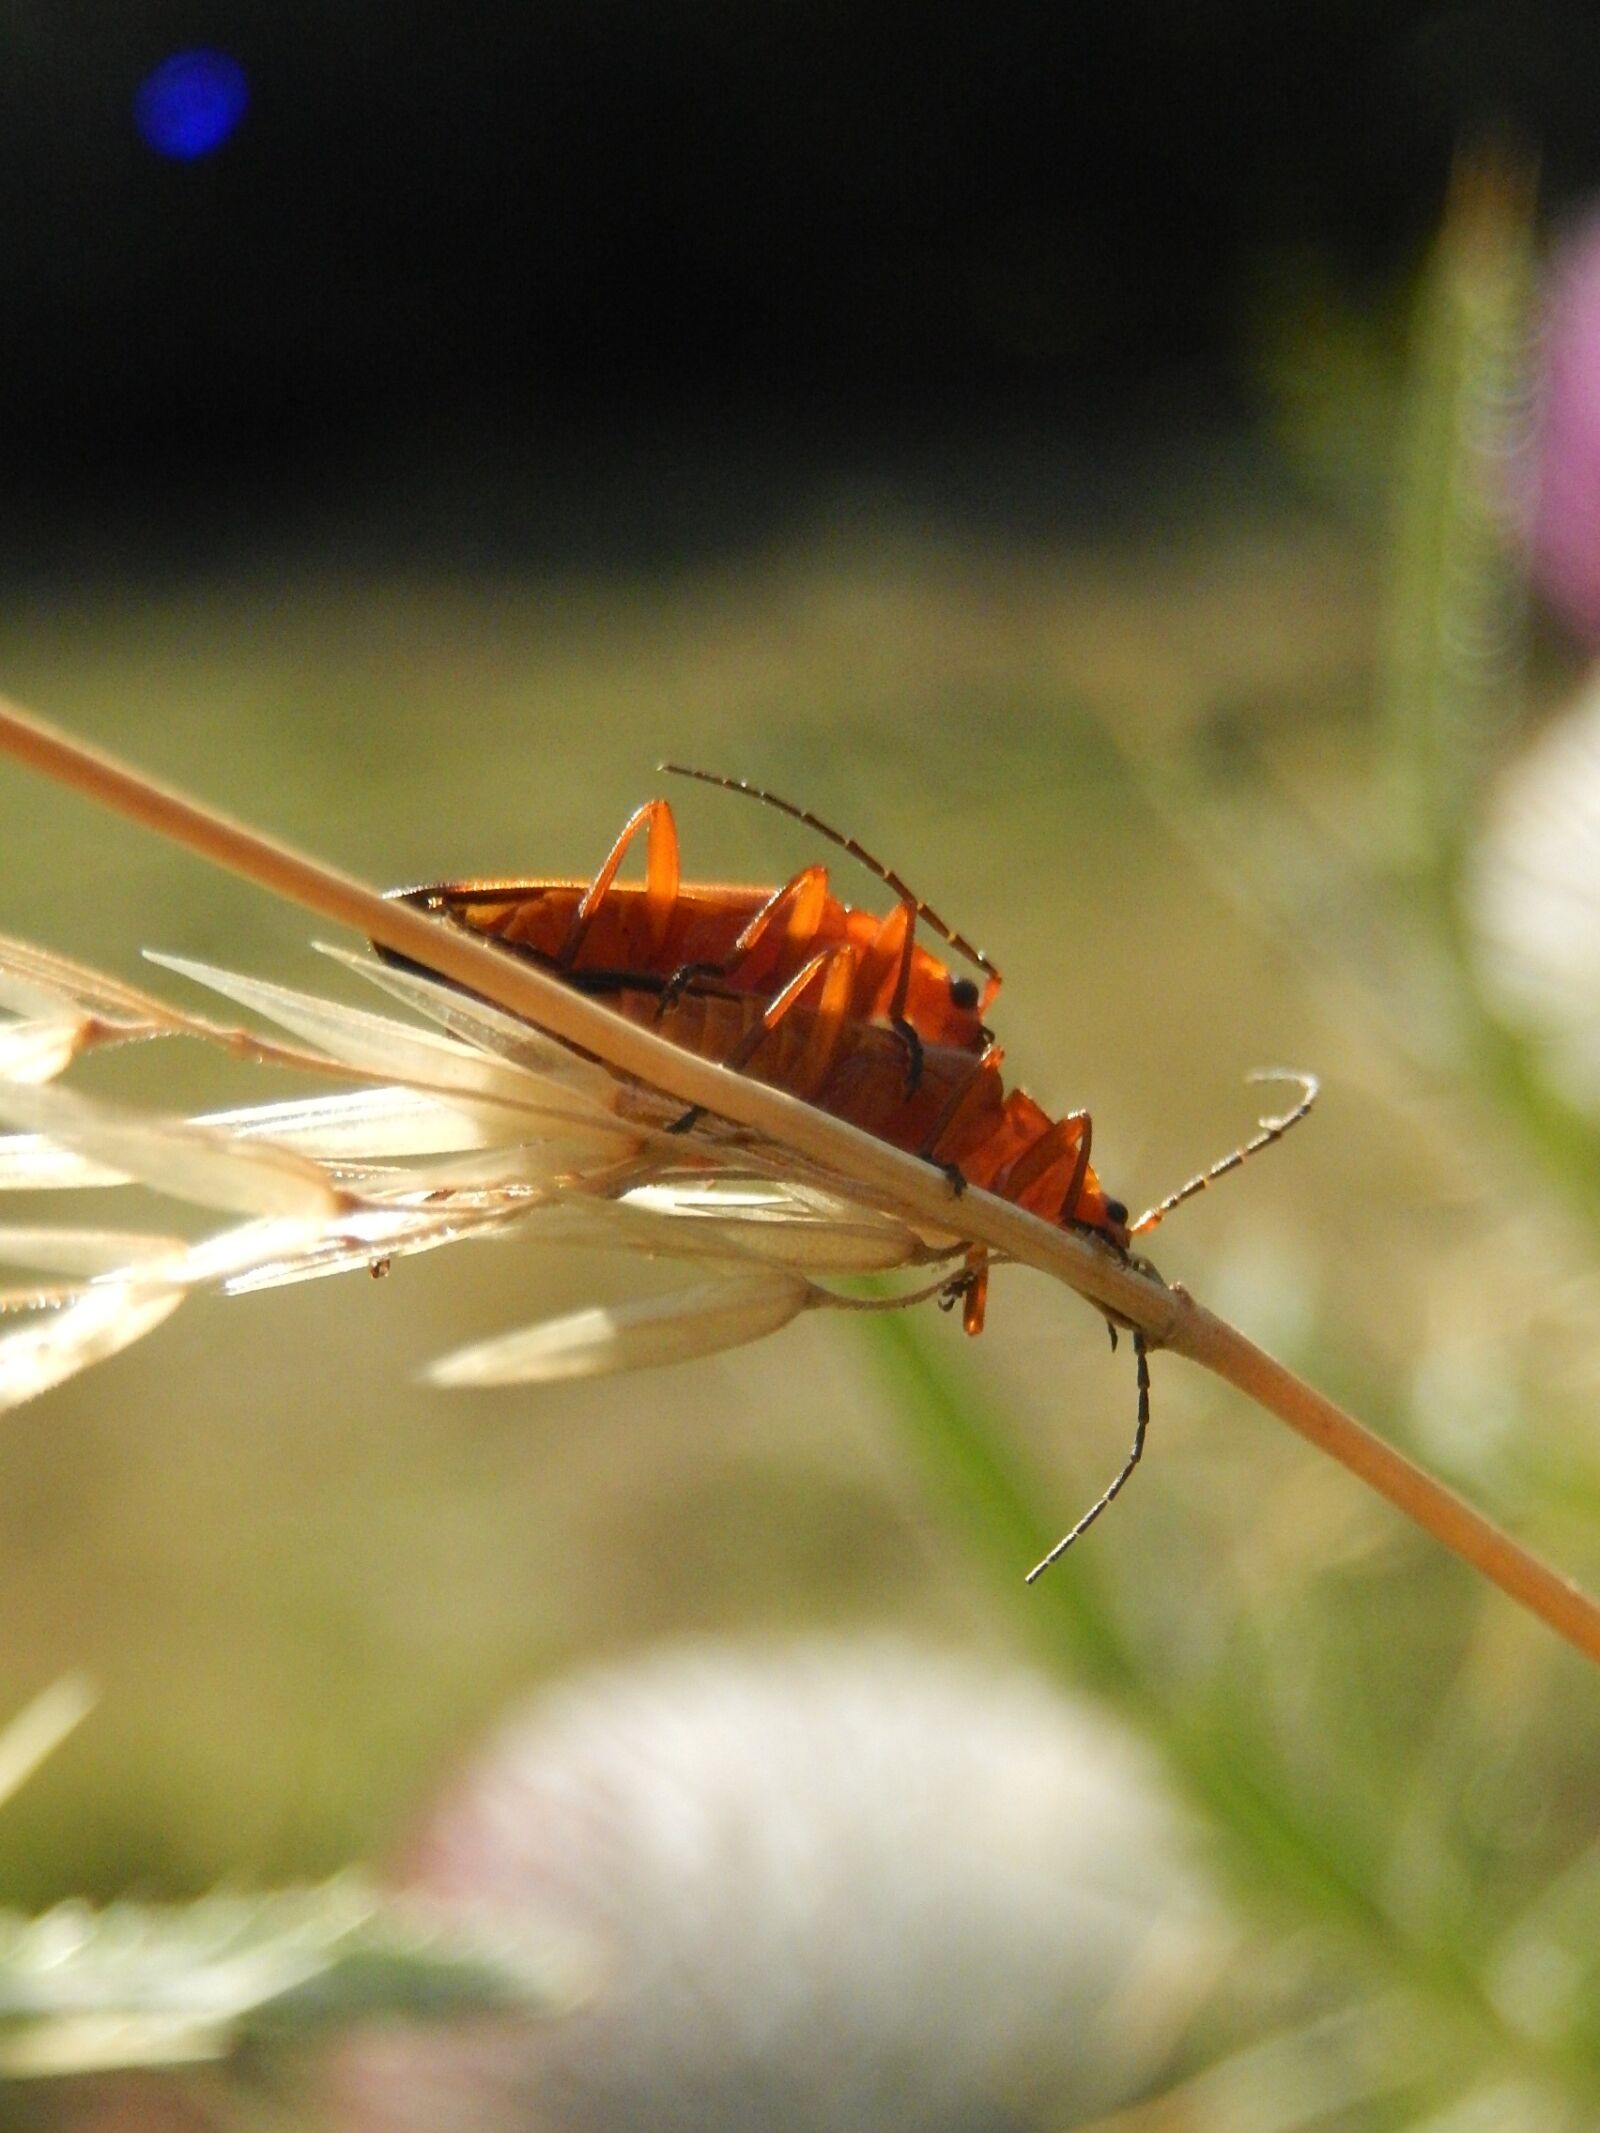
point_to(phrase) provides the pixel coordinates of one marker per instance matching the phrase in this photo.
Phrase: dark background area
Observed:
(581, 223)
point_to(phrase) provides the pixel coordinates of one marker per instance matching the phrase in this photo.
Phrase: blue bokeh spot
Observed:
(190, 104)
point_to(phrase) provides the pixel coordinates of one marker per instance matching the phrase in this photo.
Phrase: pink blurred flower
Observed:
(1564, 516)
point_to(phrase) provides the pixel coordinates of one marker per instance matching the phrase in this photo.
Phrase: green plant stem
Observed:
(1275, 1852)
(988, 1495)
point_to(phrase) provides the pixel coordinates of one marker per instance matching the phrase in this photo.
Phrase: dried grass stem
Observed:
(869, 1168)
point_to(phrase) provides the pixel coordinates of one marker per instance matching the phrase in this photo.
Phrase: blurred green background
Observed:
(1132, 660)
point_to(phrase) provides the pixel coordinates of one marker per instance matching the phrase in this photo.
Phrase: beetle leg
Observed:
(661, 876)
(802, 900)
(835, 967)
(892, 948)
(1070, 1135)
(977, 1293)
(964, 1102)
(913, 1044)
(1080, 1171)
(969, 1289)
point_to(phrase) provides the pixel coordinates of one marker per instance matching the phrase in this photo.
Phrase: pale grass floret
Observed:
(476, 1126)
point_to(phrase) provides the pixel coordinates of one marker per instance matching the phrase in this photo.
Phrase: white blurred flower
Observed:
(474, 1127)
(1534, 898)
(833, 1889)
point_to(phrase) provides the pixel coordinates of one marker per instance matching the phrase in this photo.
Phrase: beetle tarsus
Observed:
(679, 981)
(913, 1044)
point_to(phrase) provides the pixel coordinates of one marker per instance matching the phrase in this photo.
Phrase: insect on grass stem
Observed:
(1165, 1317)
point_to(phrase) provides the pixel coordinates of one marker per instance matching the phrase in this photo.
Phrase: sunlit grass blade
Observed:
(515, 1098)
(673, 1328)
(38, 1730)
(36, 980)
(373, 1044)
(39, 1051)
(30, 1162)
(662, 1221)
(367, 1242)
(46, 1349)
(357, 1125)
(83, 1252)
(795, 1225)
(476, 1022)
(190, 1162)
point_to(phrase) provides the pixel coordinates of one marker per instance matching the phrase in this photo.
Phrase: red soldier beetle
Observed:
(841, 1008)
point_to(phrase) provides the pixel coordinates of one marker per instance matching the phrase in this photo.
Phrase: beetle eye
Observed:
(963, 993)
(1116, 1211)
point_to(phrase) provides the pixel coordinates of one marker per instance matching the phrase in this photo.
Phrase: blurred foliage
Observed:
(141, 1985)
(144, 1985)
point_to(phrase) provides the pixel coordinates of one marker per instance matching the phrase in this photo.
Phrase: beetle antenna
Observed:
(1104, 1501)
(1272, 1129)
(887, 875)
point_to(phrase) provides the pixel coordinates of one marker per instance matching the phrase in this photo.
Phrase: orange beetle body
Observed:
(629, 938)
(667, 934)
(830, 1003)
(960, 1112)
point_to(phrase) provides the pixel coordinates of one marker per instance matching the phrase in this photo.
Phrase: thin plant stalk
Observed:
(1169, 1318)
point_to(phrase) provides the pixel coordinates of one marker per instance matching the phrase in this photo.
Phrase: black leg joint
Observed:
(680, 980)
(913, 1044)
